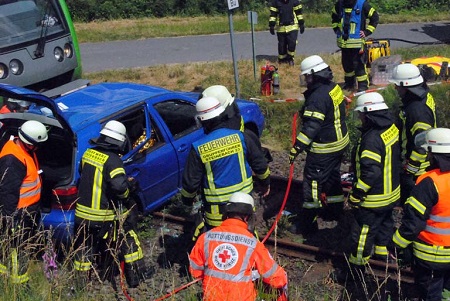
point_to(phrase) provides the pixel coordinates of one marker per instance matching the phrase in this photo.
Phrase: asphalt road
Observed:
(149, 52)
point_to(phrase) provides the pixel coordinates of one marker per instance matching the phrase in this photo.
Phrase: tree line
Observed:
(92, 10)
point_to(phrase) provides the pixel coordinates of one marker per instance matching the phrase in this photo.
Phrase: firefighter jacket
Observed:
(377, 161)
(286, 15)
(426, 220)
(224, 258)
(221, 163)
(417, 115)
(103, 186)
(349, 18)
(323, 119)
(21, 184)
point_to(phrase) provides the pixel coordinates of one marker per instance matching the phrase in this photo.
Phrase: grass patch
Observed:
(135, 29)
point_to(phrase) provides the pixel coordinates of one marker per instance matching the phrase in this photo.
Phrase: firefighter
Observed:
(104, 214)
(417, 114)
(287, 18)
(349, 22)
(235, 120)
(20, 192)
(377, 186)
(14, 105)
(224, 257)
(425, 222)
(221, 163)
(324, 137)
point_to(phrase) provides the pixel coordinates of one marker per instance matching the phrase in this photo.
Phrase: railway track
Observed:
(315, 254)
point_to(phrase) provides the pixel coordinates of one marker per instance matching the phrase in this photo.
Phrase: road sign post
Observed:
(233, 4)
(253, 19)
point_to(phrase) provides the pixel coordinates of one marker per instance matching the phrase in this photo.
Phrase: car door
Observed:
(178, 117)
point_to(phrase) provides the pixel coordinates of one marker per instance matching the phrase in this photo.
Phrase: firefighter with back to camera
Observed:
(287, 18)
(324, 137)
(228, 257)
(220, 164)
(20, 193)
(376, 191)
(417, 114)
(425, 225)
(234, 119)
(349, 22)
(105, 215)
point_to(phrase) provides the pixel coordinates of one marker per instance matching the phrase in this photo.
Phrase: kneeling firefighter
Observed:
(102, 225)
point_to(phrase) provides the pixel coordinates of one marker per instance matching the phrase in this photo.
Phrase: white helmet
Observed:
(221, 93)
(208, 108)
(33, 132)
(312, 64)
(434, 140)
(115, 130)
(240, 202)
(406, 75)
(370, 102)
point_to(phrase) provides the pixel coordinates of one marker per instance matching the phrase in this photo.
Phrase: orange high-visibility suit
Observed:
(224, 258)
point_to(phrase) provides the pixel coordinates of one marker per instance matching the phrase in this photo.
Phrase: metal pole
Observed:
(253, 44)
(236, 75)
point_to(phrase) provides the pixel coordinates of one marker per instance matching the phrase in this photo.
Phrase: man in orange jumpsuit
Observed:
(228, 257)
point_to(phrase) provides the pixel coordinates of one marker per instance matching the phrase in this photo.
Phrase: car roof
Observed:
(96, 102)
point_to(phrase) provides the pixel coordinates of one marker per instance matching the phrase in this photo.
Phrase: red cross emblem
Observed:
(224, 256)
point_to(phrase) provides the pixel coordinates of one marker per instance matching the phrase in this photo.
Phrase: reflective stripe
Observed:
(271, 271)
(196, 266)
(371, 155)
(138, 254)
(420, 126)
(304, 139)
(413, 202)
(436, 230)
(81, 266)
(359, 259)
(317, 115)
(400, 240)
(93, 214)
(380, 200)
(331, 147)
(438, 218)
(437, 254)
(381, 250)
(361, 185)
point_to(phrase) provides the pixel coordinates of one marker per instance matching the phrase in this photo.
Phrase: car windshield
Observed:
(25, 21)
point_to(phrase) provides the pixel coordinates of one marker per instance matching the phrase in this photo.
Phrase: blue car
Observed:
(160, 123)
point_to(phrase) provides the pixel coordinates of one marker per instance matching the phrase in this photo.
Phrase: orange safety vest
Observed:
(224, 258)
(437, 230)
(5, 110)
(30, 190)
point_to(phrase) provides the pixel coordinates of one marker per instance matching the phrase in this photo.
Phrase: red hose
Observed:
(122, 283)
(288, 188)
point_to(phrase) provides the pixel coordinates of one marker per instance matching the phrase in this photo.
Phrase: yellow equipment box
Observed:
(376, 49)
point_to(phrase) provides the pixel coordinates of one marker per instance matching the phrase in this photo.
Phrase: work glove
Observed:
(302, 28)
(356, 197)
(272, 30)
(295, 151)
